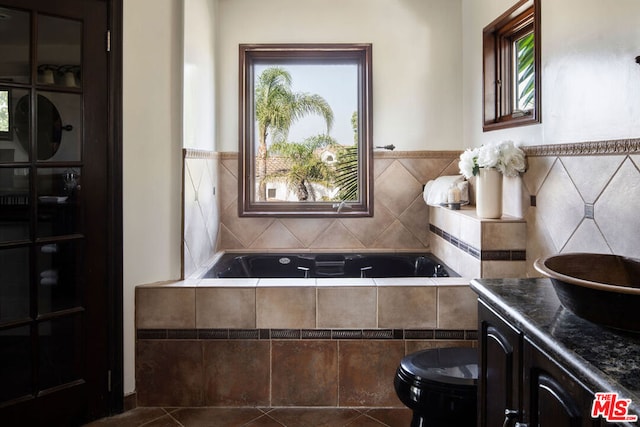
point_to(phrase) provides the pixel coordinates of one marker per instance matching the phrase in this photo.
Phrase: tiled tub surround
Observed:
(200, 208)
(479, 247)
(573, 197)
(211, 223)
(291, 342)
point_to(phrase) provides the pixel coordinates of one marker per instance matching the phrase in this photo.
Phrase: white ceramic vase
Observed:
(489, 193)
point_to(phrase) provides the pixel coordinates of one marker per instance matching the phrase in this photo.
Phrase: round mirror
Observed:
(49, 128)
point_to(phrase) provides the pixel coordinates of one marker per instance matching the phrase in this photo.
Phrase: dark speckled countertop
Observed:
(602, 359)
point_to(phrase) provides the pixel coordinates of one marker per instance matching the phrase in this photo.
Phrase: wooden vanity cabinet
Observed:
(552, 396)
(499, 379)
(521, 385)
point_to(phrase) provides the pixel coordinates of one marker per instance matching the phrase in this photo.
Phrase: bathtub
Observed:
(328, 265)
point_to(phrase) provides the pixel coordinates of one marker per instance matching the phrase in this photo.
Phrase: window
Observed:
(511, 68)
(305, 129)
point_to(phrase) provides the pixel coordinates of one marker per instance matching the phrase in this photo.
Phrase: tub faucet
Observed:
(340, 205)
(305, 270)
(363, 271)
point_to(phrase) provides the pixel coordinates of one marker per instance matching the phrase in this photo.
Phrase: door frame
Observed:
(115, 213)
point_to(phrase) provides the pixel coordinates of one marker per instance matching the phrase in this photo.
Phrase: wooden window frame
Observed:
(498, 77)
(360, 54)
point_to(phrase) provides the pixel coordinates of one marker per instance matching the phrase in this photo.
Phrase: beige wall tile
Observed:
(591, 173)
(336, 236)
(559, 205)
(397, 236)
(306, 230)
(457, 308)
(425, 169)
(367, 230)
(470, 232)
(537, 170)
(616, 211)
(436, 216)
(276, 236)
(225, 307)
(396, 188)
(504, 235)
(392, 203)
(228, 188)
(245, 229)
(347, 307)
(587, 235)
(503, 269)
(165, 307)
(407, 307)
(461, 262)
(416, 220)
(286, 307)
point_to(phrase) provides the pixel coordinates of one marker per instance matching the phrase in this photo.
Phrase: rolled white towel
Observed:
(426, 190)
(436, 191)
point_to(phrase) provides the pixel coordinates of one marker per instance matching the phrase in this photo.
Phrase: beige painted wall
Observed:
(152, 142)
(199, 74)
(590, 81)
(416, 60)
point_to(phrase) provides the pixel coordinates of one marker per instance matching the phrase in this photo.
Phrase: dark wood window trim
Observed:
(498, 78)
(249, 54)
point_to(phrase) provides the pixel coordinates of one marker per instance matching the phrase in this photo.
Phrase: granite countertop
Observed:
(603, 359)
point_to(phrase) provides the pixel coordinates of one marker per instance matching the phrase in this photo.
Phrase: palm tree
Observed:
(525, 84)
(347, 166)
(347, 173)
(277, 108)
(306, 165)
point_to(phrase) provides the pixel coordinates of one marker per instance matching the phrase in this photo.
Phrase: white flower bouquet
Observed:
(504, 156)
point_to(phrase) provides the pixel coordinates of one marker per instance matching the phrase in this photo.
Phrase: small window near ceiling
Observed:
(511, 68)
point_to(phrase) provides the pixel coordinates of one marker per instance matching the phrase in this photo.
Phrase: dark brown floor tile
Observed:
(264, 421)
(132, 418)
(304, 373)
(314, 417)
(169, 373)
(365, 421)
(392, 417)
(236, 373)
(216, 417)
(367, 369)
(166, 421)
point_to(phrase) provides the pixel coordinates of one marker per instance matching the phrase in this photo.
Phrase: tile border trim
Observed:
(192, 153)
(589, 148)
(616, 146)
(486, 255)
(382, 154)
(306, 334)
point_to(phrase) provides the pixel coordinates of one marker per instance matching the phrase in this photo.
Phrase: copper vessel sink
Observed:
(601, 288)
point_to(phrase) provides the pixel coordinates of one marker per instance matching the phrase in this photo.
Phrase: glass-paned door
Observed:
(52, 182)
